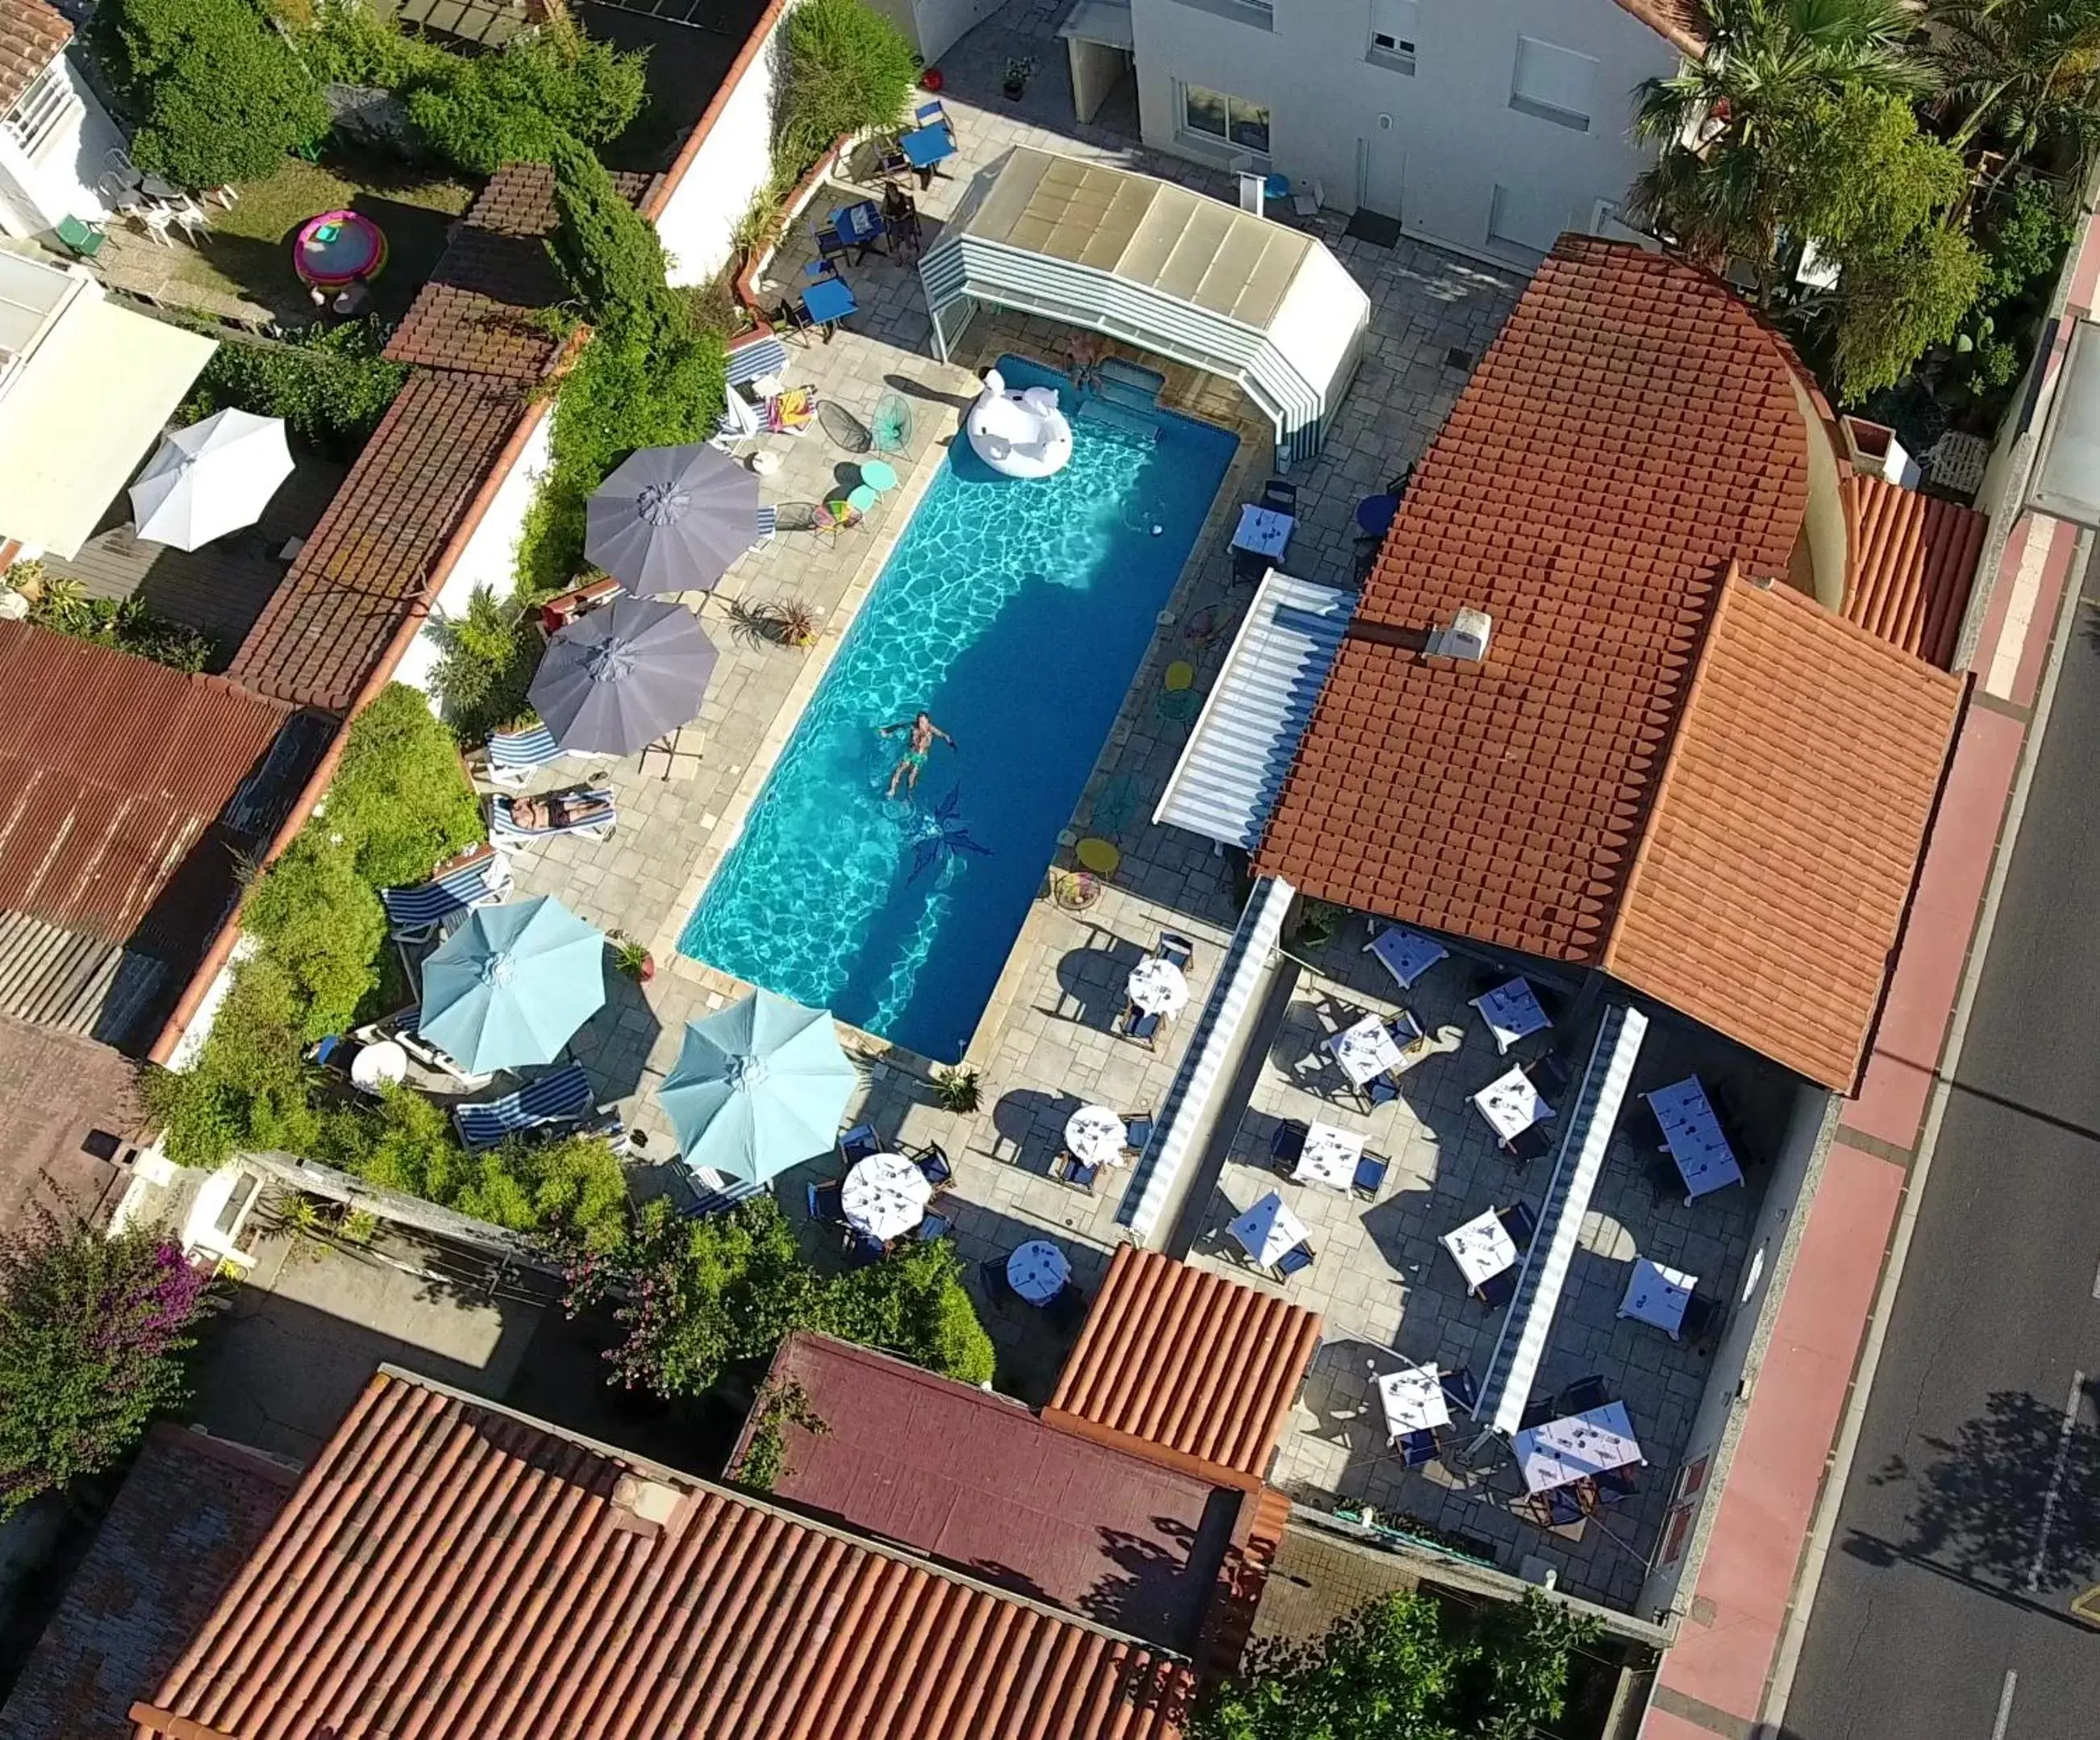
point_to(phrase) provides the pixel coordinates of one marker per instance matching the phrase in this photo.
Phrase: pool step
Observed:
(1095, 409)
(1129, 383)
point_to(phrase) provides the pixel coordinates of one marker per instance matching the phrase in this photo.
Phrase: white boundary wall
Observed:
(717, 183)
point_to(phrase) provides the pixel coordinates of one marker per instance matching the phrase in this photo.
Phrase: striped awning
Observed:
(1246, 736)
(1586, 1136)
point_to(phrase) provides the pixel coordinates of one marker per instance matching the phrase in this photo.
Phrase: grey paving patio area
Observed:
(1046, 1045)
(1390, 1296)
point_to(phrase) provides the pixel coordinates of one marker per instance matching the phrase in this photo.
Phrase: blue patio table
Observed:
(924, 147)
(1374, 514)
(828, 300)
(860, 224)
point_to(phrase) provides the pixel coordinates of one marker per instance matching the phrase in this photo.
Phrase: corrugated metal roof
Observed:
(80, 984)
(1188, 1360)
(977, 1481)
(448, 1567)
(1245, 739)
(114, 774)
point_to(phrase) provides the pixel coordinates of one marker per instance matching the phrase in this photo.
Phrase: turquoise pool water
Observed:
(1016, 613)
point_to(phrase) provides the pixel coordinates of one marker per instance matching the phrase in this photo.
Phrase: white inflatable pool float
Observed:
(1020, 434)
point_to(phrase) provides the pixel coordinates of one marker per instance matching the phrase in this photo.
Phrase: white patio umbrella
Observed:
(211, 479)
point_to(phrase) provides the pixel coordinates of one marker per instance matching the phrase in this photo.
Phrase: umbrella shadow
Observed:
(614, 1044)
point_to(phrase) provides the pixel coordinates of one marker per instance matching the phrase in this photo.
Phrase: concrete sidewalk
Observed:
(1730, 1670)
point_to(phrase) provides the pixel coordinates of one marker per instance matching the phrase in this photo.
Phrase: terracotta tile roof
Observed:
(1682, 22)
(1913, 558)
(1775, 870)
(475, 311)
(1631, 431)
(31, 36)
(448, 1567)
(1189, 1360)
(190, 1511)
(978, 1483)
(116, 778)
(57, 1091)
(372, 560)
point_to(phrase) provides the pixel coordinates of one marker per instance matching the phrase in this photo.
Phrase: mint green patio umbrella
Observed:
(759, 1088)
(512, 984)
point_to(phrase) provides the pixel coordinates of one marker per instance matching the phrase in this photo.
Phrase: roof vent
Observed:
(1874, 449)
(1466, 639)
(642, 1506)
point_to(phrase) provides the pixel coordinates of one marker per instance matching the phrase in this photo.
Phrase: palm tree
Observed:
(1721, 121)
(2027, 70)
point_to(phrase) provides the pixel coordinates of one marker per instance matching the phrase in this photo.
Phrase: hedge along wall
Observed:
(726, 160)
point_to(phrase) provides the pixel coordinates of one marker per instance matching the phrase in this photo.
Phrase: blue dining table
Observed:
(925, 147)
(827, 300)
(859, 224)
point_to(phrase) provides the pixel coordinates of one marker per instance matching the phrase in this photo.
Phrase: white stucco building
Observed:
(1488, 125)
(55, 137)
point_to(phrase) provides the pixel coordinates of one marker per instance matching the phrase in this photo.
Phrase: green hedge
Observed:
(330, 385)
(847, 69)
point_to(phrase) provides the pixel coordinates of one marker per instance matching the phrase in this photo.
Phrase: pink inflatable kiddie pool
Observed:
(338, 248)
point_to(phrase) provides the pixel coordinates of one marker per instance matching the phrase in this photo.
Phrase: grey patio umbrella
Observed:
(618, 678)
(672, 519)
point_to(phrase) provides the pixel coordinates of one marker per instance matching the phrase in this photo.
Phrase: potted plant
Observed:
(958, 1090)
(632, 959)
(1018, 72)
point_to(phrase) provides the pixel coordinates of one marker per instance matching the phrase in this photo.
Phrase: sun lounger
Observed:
(402, 1029)
(715, 1193)
(562, 1096)
(414, 913)
(598, 825)
(512, 757)
(769, 524)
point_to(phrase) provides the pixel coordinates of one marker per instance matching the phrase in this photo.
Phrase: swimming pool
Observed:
(1016, 613)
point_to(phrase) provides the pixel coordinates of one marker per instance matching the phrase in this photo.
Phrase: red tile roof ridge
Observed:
(31, 36)
(1682, 22)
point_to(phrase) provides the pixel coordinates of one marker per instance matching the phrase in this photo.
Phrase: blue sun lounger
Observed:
(716, 1193)
(561, 1096)
(598, 825)
(515, 756)
(414, 913)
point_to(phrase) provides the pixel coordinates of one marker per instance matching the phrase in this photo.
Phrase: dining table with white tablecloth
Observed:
(884, 1197)
(1268, 1229)
(1482, 1249)
(1512, 1011)
(1038, 1270)
(1404, 954)
(1263, 531)
(1328, 1157)
(1692, 1133)
(1364, 1049)
(1157, 986)
(1414, 1400)
(1096, 1136)
(1658, 1295)
(1511, 1105)
(1575, 1446)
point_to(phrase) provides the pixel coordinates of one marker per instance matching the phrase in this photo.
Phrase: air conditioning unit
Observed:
(1466, 639)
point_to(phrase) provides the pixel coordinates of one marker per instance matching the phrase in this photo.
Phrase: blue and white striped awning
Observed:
(1586, 1136)
(1172, 272)
(1246, 736)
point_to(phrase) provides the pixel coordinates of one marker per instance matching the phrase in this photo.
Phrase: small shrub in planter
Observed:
(958, 1090)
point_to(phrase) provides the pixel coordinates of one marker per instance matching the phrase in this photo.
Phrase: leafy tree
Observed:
(220, 94)
(2024, 72)
(330, 383)
(1407, 1667)
(322, 927)
(519, 104)
(605, 251)
(1893, 305)
(2025, 237)
(92, 1334)
(847, 69)
(1725, 123)
(487, 656)
(249, 1087)
(400, 799)
(913, 1303)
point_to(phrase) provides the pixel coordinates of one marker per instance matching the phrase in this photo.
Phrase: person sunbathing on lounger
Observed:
(913, 761)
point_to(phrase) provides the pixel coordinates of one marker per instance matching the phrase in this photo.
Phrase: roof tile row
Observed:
(1913, 562)
(31, 36)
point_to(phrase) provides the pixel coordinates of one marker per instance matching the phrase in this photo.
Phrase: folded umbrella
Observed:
(672, 519)
(213, 478)
(619, 676)
(758, 1088)
(512, 984)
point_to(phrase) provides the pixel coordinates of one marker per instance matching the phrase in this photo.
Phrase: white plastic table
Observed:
(1157, 987)
(1576, 1448)
(1658, 1295)
(1329, 1157)
(1364, 1049)
(1413, 1401)
(1406, 954)
(1038, 1271)
(1692, 1134)
(1482, 1249)
(1511, 1105)
(1268, 1230)
(1096, 1136)
(380, 1064)
(1262, 531)
(1512, 1011)
(884, 1197)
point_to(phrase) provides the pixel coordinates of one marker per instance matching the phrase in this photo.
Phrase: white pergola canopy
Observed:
(1188, 277)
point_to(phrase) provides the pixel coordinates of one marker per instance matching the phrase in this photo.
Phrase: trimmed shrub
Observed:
(219, 93)
(330, 383)
(400, 801)
(518, 105)
(847, 70)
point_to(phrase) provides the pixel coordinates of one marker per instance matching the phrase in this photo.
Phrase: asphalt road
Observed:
(1971, 1519)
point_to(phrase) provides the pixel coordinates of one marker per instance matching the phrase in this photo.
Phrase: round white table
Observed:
(884, 1197)
(1038, 1271)
(380, 1064)
(1096, 1136)
(764, 463)
(1158, 987)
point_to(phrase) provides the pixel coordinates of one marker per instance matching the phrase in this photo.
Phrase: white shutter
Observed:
(1555, 82)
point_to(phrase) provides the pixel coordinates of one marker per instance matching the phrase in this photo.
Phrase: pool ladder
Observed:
(1125, 396)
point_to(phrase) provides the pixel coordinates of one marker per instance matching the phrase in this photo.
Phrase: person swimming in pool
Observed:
(913, 761)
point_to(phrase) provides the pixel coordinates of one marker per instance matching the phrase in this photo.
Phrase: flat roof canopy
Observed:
(1169, 270)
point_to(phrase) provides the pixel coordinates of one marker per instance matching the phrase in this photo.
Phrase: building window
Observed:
(1392, 34)
(1554, 84)
(47, 103)
(1228, 121)
(1261, 14)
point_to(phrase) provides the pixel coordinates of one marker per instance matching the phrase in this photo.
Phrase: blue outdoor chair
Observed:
(562, 1096)
(1297, 1257)
(991, 1276)
(1371, 1170)
(1175, 950)
(858, 1144)
(1418, 1448)
(1615, 1484)
(827, 1203)
(1381, 1090)
(932, 1227)
(1286, 1142)
(1461, 1389)
(1584, 1394)
(1137, 1131)
(1077, 1172)
(414, 913)
(933, 1161)
(1563, 1509)
(1537, 1411)
(1519, 1223)
(1497, 1290)
(1138, 1024)
(863, 1250)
